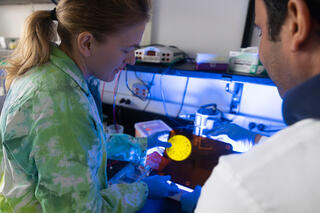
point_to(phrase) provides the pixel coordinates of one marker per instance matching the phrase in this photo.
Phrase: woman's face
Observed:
(111, 56)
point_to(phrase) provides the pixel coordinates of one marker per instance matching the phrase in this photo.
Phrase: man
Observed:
(282, 173)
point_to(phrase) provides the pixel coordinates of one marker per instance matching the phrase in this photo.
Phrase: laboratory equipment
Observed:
(211, 62)
(147, 128)
(159, 54)
(236, 90)
(114, 129)
(205, 118)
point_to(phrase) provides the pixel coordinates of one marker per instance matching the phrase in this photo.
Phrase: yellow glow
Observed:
(181, 148)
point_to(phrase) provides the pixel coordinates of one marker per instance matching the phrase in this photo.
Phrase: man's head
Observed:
(290, 40)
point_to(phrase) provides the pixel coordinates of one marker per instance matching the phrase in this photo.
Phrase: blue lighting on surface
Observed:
(236, 146)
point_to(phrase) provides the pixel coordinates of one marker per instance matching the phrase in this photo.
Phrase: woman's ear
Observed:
(84, 43)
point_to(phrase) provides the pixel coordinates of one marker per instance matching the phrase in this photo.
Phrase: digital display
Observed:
(151, 53)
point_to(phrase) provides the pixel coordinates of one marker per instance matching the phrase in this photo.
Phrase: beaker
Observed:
(114, 129)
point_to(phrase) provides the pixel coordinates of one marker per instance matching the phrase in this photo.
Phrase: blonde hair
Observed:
(99, 17)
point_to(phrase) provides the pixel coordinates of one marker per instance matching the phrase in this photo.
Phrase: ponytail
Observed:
(34, 46)
(101, 18)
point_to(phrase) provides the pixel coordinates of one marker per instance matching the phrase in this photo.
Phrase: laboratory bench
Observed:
(188, 69)
(200, 162)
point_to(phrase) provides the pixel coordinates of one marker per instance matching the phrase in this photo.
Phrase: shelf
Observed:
(189, 70)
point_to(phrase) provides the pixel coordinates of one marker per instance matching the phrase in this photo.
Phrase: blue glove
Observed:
(159, 188)
(159, 139)
(189, 200)
(240, 138)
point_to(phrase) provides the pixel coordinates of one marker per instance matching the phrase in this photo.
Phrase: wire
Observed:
(163, 97)
(102, 91)
(149, 85)
(148, 97)
(162, 92)
(147, 105)
(184, 96)
(142, 81)
(115, 90)
(127, 84)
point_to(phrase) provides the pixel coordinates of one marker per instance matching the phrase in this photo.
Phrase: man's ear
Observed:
(84, 43)
(299, 19)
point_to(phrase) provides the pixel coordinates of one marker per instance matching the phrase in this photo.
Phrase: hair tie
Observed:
(53, 14)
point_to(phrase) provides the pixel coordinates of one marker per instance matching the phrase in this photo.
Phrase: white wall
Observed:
(12, 17)
(213, 26)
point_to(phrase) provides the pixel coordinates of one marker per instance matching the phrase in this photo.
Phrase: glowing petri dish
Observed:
(180, 149)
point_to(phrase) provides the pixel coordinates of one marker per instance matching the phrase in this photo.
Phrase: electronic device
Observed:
(205, 118)
(159, 54)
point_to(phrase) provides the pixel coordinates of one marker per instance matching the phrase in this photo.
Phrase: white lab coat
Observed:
(280, 175)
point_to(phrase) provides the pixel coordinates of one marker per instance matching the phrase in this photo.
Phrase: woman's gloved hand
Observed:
(159, 188)
(159, 139)
(189, 200)
(240, 138)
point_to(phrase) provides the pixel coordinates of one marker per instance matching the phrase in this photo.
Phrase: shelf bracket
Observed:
(235, 89)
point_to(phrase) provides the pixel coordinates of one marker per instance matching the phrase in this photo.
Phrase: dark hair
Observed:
(277, 11)
(99, 17)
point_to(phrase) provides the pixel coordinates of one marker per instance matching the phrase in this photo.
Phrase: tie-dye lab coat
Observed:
(53, 153)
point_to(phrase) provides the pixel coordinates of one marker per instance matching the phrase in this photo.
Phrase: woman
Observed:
(54, 157)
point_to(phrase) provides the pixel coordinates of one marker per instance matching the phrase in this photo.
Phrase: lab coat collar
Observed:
(302, 102)
(68, 66)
